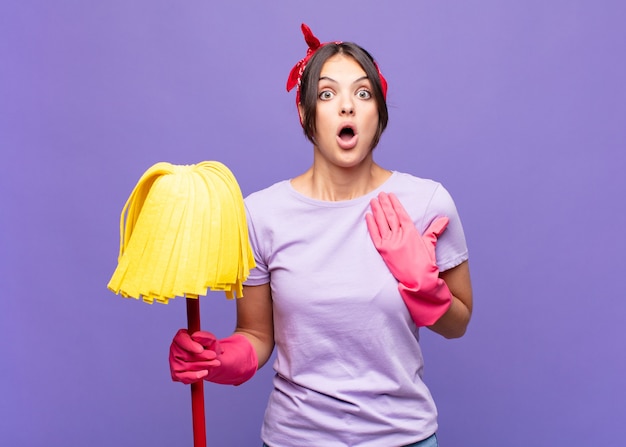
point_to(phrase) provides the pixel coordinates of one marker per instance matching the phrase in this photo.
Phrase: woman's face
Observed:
(347, 115)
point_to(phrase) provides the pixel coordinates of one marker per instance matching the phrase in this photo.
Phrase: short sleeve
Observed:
(451, 247)
(260, 274)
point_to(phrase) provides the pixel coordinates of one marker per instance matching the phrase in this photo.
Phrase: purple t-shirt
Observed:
(348, 362)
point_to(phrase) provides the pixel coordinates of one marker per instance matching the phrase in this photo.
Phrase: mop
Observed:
(183, 232)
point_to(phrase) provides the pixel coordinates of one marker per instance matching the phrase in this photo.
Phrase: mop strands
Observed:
(183, 231)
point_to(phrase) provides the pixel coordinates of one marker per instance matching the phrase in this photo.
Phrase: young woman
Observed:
(351, 260)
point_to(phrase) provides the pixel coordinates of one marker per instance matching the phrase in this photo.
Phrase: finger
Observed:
(178, 361)
(380, 219)
(372, 227)
(403, 217)
(390, 213)
(205, 356)
(438, 226)
(188, 377)
(182, 365)
(203, 337)
(184, 342)
(206, 339)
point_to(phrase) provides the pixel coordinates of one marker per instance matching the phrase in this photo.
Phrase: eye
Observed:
(325, 95)
(364, 94)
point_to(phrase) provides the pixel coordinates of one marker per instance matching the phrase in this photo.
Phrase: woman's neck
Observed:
(333, 183)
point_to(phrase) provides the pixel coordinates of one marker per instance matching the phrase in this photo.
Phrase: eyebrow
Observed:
(326, 78)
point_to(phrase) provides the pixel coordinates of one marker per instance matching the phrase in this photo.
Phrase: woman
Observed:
(351, 260)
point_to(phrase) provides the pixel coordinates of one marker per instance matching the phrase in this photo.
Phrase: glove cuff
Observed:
(426, 307)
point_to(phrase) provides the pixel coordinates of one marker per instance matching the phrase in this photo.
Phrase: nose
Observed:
(347, 110)
(347, 107)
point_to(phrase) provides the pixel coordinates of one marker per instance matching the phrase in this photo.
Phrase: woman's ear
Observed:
(301, 112)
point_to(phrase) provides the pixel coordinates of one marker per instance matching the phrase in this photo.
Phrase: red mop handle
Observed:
(197, 388)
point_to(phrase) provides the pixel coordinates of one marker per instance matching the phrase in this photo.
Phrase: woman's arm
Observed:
(453, 323)
(255, 320)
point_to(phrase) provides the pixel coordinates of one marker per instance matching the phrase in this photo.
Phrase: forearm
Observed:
(454, 322)
(255, 320)
(262, 345)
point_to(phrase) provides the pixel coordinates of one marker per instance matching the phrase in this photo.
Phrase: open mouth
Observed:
(347, 137)
(346, 133)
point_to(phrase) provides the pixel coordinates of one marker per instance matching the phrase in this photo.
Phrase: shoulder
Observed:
(426, 200)
(425, 191)
(411, 183)
(267, 197)
(274, 206)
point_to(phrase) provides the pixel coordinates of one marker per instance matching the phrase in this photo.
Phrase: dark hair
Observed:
(310, 79)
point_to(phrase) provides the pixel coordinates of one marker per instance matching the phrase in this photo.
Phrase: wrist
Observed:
(426, 306)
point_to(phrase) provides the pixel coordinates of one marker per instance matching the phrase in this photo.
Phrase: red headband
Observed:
(295, 76)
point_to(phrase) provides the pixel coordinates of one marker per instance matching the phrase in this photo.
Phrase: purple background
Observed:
(518, 107)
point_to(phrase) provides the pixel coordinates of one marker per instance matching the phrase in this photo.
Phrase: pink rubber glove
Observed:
(410, 258)
(229, 361)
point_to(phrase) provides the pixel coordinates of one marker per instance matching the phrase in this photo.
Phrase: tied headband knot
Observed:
(296, 72)
(295, 75)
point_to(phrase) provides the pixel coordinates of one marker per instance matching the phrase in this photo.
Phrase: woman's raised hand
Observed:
(410, 256)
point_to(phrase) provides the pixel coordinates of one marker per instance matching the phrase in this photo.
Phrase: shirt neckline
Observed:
(340, 203)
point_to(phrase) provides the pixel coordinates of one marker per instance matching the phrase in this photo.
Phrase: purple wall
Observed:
(518, 107)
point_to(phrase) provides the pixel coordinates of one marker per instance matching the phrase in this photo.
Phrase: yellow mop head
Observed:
(182, 231)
